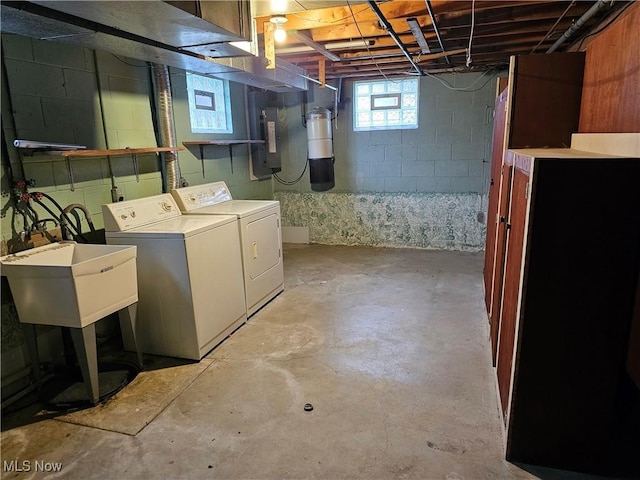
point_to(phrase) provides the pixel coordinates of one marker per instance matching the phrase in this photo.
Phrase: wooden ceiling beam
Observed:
(333, 16)
(509, 29)
(510, 15)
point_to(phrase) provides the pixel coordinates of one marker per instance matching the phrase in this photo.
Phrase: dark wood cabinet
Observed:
(561, 270)
(570, 278)
(538, 108)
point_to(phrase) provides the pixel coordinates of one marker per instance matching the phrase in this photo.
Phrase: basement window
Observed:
(209, 104)
(385, 104)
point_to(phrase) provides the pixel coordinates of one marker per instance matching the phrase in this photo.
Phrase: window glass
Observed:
(209, 104)
(385, 104)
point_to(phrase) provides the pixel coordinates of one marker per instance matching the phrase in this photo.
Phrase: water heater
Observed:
(320, 149)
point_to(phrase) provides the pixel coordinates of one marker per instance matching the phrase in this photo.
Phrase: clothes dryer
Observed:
(190, 284)
(260, 236)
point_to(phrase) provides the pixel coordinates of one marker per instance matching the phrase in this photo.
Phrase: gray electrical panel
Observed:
(264, 125)
(271, 137)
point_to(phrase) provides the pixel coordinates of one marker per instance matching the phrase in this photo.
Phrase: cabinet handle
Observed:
(503, 219)
(508, 226)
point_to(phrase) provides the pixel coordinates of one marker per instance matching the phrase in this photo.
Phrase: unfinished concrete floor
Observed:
(390, 346)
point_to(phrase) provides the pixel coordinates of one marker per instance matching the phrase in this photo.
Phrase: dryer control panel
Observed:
(122, 216)
(198, 196)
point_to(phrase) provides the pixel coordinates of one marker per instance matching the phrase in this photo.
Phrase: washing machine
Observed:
(190, 283)
(260, 236)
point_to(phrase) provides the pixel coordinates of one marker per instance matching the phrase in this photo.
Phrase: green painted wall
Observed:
(217, 161)
(53, 90)
(51, 94)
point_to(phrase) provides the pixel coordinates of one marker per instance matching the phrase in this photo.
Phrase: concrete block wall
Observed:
(53, 91)
(444, 160)
(50, 93)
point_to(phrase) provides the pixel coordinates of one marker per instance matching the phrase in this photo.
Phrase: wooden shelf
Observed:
(230, 143)
(113, 152)
(117, 152)
(223, 142)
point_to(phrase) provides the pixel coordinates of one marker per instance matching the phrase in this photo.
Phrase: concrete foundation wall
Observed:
(415, 220)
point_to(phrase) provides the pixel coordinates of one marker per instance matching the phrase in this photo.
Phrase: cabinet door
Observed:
(500, 250)
(545, 107)
(516, 226)
(497, 154)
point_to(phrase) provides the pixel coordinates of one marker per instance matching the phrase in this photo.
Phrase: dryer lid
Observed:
(198, 196)
(240, 208)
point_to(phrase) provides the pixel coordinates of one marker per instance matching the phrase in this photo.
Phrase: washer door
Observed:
(262, 245)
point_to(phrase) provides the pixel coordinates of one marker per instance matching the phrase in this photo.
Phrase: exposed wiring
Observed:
(473, 24)
(291, 182)
(130, 64)
(469, 88)
(552, 29)
(366, 44)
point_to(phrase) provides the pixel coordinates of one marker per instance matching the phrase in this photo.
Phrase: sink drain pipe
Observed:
(162, 86)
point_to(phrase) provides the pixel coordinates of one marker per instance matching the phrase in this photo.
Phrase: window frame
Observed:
(363, 103)
(205, 119)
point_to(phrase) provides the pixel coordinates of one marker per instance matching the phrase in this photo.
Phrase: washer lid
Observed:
(197, 196)
(181, 227)
(239, 208)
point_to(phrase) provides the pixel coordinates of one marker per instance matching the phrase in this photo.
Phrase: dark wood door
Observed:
(497, 154)
(511, 290)
(500, 248)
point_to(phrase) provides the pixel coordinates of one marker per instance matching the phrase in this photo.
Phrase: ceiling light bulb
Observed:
(279, 35)
(278, 20)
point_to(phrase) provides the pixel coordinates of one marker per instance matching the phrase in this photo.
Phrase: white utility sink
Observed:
(70, 284)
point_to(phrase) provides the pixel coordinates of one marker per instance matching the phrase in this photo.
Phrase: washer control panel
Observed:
(198, 196)
(122, 216)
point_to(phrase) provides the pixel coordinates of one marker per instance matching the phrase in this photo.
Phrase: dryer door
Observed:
(262, 246)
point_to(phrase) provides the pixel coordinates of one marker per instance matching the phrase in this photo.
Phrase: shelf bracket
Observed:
(136, 167)
(202, 158)
(67, 162)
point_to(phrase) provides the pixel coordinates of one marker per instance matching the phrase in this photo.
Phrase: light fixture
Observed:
(414, 26)
(330, 46)
(279, 20)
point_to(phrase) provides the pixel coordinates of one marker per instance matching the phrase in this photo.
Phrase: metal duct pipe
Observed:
(387, 26)
(579, 23)
(166, 125)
